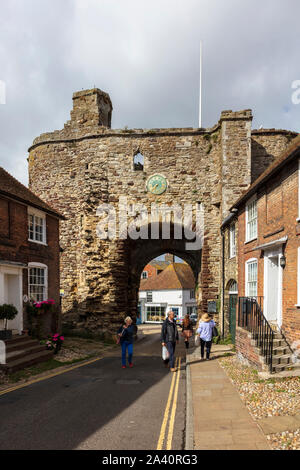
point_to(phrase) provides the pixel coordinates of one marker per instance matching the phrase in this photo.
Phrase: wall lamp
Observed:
(283, 262)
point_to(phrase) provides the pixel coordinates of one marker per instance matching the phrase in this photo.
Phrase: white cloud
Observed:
(146, 56)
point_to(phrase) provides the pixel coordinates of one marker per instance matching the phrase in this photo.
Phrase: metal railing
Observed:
(251, 318)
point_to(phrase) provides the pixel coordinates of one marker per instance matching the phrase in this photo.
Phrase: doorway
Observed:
(233, 300)
(273, 287)
(11, 281)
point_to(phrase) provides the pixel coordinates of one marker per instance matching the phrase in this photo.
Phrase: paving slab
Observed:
(276, 424)
(220, 419)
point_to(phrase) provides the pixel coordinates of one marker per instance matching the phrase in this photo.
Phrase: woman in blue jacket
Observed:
(126, 333)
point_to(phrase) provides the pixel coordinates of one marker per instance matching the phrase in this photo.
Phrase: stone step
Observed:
(282, 359)
(27, 361)
(17, 339)
(281, 350)
(22, 345)
(14, 355)
(284, 367)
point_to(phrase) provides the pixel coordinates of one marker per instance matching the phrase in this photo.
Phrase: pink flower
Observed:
(62, 338)
(56, 335)
(55, 339)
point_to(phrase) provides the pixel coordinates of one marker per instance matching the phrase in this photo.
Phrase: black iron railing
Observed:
(251, 318)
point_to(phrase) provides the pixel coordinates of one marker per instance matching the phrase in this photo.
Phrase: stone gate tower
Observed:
(87, 164)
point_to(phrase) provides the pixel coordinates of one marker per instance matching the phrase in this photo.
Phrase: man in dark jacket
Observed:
(169, 338)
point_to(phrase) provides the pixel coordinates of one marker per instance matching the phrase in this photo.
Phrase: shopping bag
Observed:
(197, 340)
(165, 353)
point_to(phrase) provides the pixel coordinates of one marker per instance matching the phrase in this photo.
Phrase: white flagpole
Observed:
(200, 88)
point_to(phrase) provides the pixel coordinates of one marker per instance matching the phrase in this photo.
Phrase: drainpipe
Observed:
(223, 283)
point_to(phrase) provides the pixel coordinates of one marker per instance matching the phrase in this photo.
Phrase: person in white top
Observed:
(205, 331)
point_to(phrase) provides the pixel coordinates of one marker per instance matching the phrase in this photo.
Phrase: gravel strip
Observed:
(285, 440)
(267, 398)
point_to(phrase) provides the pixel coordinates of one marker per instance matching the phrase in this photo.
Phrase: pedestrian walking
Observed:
(187, 330)
(169, 338)
(126, 334)
(205, 331)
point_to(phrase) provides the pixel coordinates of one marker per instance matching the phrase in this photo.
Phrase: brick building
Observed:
(156, 266)
(29, 251)
(267, 220)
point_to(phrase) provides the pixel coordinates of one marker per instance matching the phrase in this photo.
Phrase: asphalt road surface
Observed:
(101, 406)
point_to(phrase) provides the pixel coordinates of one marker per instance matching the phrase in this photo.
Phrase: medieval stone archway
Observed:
(141, 252)
(87, 164)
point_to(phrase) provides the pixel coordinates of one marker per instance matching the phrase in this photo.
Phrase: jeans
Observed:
(171, 348)
(126, 345)
(208, 348)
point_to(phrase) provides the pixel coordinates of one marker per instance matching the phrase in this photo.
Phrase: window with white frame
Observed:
(232, 242)
(36, 226)
(37, 282)
(251, 220)
(299, 189)
(190, 309)
(192, 293)
(144, 275)
(251, 278)
(149, 297)
(298, 279)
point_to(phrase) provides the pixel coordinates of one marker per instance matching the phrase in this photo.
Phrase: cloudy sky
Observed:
(146, 56)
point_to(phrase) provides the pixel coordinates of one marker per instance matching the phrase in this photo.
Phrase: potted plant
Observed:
(7, 312)
(55, 343)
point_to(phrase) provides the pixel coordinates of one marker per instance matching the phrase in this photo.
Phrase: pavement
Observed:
(216, 418)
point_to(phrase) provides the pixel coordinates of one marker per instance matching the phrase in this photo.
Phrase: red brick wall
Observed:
(244, 347)
(151, 270)
(15, 246)
(277, 207)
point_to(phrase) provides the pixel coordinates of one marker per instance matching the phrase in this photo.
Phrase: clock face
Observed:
(157, 184)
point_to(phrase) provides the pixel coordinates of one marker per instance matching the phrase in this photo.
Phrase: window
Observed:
(138, 162)
(232, 244)
(144, 275)
(149, 296)
(251, 278)
(192, 294)
(37, 282)
(155, 313)
(233, 287)
(36, 226)
(191, 309)
(251, 220)
(298, 192)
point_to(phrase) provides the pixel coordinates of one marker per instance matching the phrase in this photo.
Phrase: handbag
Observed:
(215, 332)
(197, 340)
(118, 338)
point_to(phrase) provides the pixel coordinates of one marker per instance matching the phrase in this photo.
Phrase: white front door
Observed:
(11, 289)
(273, 286)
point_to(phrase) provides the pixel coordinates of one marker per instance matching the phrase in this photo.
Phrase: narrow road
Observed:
(101, 406)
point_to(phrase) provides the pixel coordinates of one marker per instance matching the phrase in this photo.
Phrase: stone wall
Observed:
(266, 146)
(87, 164)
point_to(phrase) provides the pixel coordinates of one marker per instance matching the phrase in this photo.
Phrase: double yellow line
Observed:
(174, 388)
